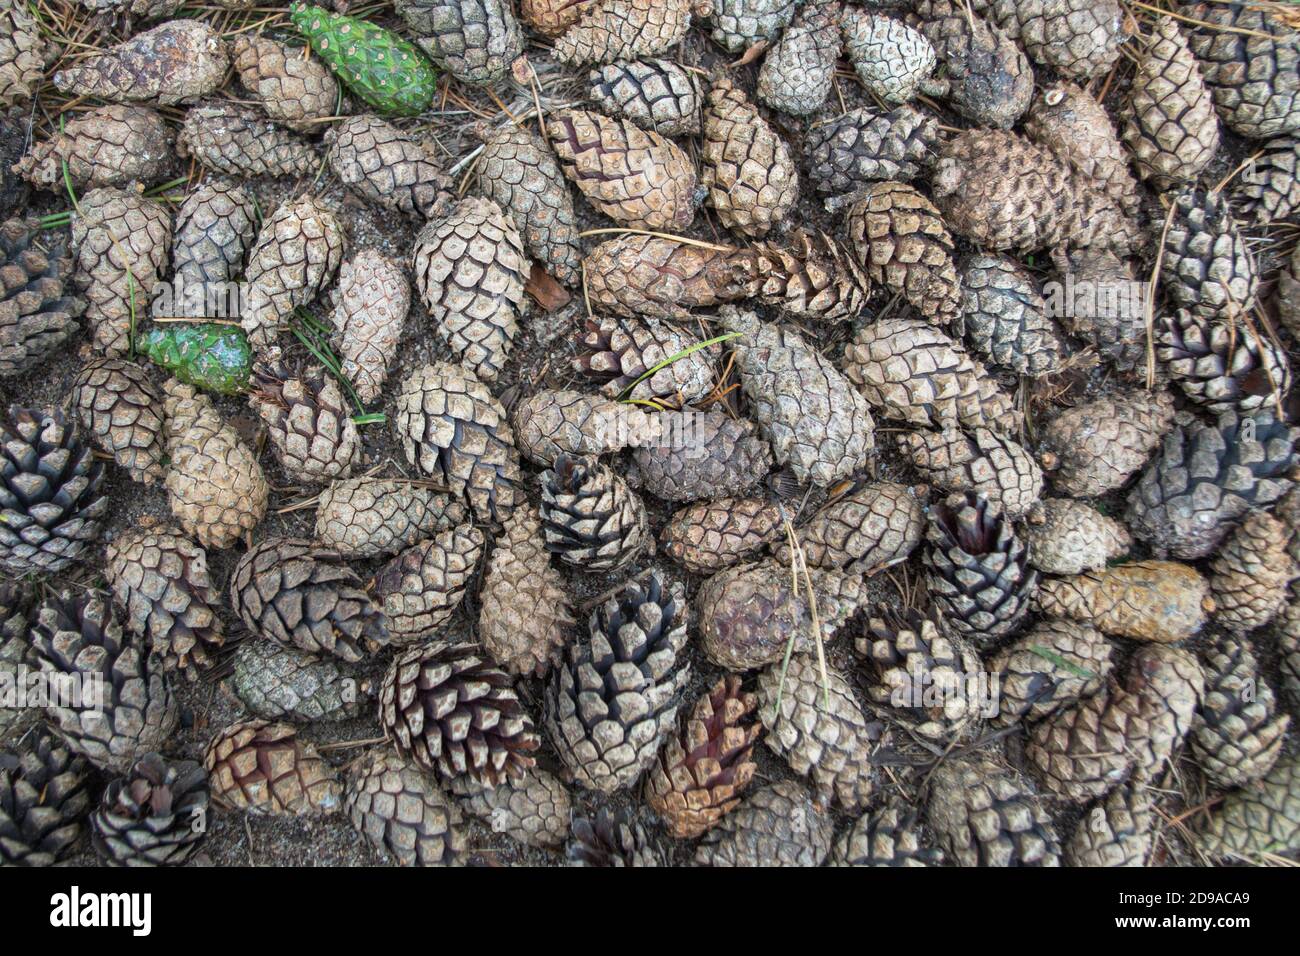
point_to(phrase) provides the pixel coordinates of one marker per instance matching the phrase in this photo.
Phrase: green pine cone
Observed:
(207, 355)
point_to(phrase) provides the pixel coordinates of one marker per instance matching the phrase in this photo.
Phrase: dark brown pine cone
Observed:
(1236, 736)
(986, 815)
(658, 95)
(307, 419)
(1221, 365)
(871, 526)
(1119, 831)
(384, 165)
(420, 589)
(1253, 821)
(615, 839)
(42, 800)
(1097, 446)
(260, 767)
(535, 810)
(155, 815)
(239, 141)
(591, 519)
(280, 683)
(813, 276)
(35, 315)
(368, 517)
(889, 836)
(864, 146)
(1207, 266)
(779, 825)
(401, 812)
(121, 411)
(109, 146)
(631, 357)
(978, 460)
(715, 455)
(1005, 318)
(1052, 665)
(293, 86)
(712, 535)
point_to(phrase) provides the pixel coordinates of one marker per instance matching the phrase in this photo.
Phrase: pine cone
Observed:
(817, 422)
(902, 242)
(260, 767)
(1288, 646)
(1288, 294)
(1207, 266)
(1168, 684)
(42, 799)
(590, 517)
(17, 656)
(402, 812)
(35, 316)
(636, 177)
(50, 506)
(293, 87)
(614, 698)
(1270, 190)
(700, 773)
(134, 711)
(717, 455)
(535, 810)
(1287, 510)
(298, 251)
(1078, 130)
(155, 815)
(612, 30)
(622, 352)
(1097, 446)
(713, 535)
(990, 79)
(1116, 832)
(779, 825)
(864, 146)
(1004, 317)
(1160, 601)
(448, 709)
(551, 423)
(421, 588)
(177, 62)
(23, 54)
(282, 684)
(978, 460)
(238, 141)
(979, 578)
(813, 277)
(1256, 820)
(119, 407)
(890, 58)
(307, 420)
(1077, 38)
(739, 24)
(384, 165)
(1097, 299)
(885, 837)
(552, 17)
(295, 594)
(912, 372)
(1236, 737)
(1052, 665)
(1222, 365)
(214, 228)
(369, 517)
(873, 525)
(657, 95)
(1206, 477)
(613, 840)
(825, 737)
(470, 269)
(1249, 574)
(215, 486)
(987, 815)
(121, 241)
(372, 301)
(476, 41)
(799, 69)
(109, 146)
(1070, 537)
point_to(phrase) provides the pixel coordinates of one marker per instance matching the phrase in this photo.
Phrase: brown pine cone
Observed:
(476, 41)
(891, 59)
(1287, 510)
(384, 165)
(1288, 646)
(555, 422)
(1096, 447)
(1096, 298)
(799, 69)
(420, 589)
(591, 519)
(990, 80)
(35, 315)
(987, 815)
(1269, 189)
(1160, 601)
(1236, 737)
(864, 146)
(552, 17)
(307, 419)
(23, 54)
(369, 517)
(621, 353)
(121, 412)
(109, 146)
(535, 810)
(739, 24)
(402, 812)
(1070, 537)
(713, 535)
(902, 242)
(43, 797)
(613, 840)
(372, 300)
(978, 460)
(214, 228)
(284, 684)
(298, 595)
(240, 142)
(154, 815)
(871, 526)
(1052, 665)
(448, 709)
(1078, 130)
(1005, 318)
(1288, 294)
(260, 767)
(655, 94)
(889, 836)
(1221, 365)
(1249, 574)
(1077, 38)
(717, 456)
(612, 30)
(179, 61)
(293, 86)
(1168, 684)
(812, 277)
(1207, 266)
(1257, 820)
(636, 177)
(1119, 831)
(778, 825)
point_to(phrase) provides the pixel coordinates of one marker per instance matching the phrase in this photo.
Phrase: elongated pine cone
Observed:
(368, 517)
(1249, 574)
(421, 588)
(214, 228)
(621, 353)
(307, 419)
(739, 24)
(979, 460)
(889, 836)
(280, 683)
(476, 41)
(384, 165)
(617, 839)
(1207, 266)
(120, 410)
(1097, 298)
(1005, 318)
(712, 535)
(1271, 189)
(1169, 684)
(1119, 831)
(591, 519)
(1236, 737)
(240, 142)
(989, 78)
(612, 30)
(1077, 38)
(36, 317)
(891, 58)
(402, 812)
(1160, 601)
(655, 94)
(1097, 446)
(1052, 665)
(43, 796)
(155, 815)
(871, 526)
(23, 54)
(293, 88)
(261, 767)
(1220, 364)
(1070, 537)
(109, 146)
(179, 61)
(372, 301)
(535, 810)
(555, 422)
(1264, 818)
(778, 825)
(987, 815)
(718, 455)
(865, 146)
(799, 70)
(813, 276)
(1074, 126)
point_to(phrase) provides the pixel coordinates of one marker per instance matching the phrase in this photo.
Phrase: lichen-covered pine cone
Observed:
(82, 639)
(726, 457)
(621, 354)
(121, 412)
(1271, 191)
(865, 146)
(214, 228)
(535, 810)
(160, 580)
(1206, 477)
(1052, 665)
(636, 177)
(1070, 537)
(43, 797)
(23, 53)
(1221, 365)
(297, 253)
(283, 684)
(476, 41)
(612, 30)
(109, 146)
(307, 419)
(614, 698)
(1097, 446)
(1072, 124)
(36, 317)
(812, 276)
(1160, 601)
(870, 526)
(891, 58)
(1119, 831)
(739, 24)
(50, 506)
(553, 422)
(989, 78)
(1005, 318)
(1260, 819)
(979, 577)
(1207, 266)
(900, 239)
(450, 710)
(154, 815)
(889, 836)
(122, 241)
(591, 519)
(371, 303)
(1249, 574)
(1077, 38)
(402, 812)
(1236, 736)
(778, 825)
(1107, 308)
(518, 171)
(712, 535)
(817, 422)
(655, 94)
(825, 737)
(701, 771)
(386, 166)
(368, 517)
(910, 371)
(421, 588)
(261, 767)
(294, 593)
(979, 460)
(988, 815)
(179, 61)
(617, 839)
(799, 69)
(293, 88)
(239, 141)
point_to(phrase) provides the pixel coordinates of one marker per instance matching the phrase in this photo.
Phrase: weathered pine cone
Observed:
(1068, 121)
(50, 505)
(36, 317)
(1169, 684)
(1207, 266)
(292, 85)
(988, 815)
(700, 772)
(1236, 737)
(42, 800)
(616, 839)
(1271, 189)
(621, 353)
(109, 146)
(1052, 665)
(23, 53)
(813, 276)
(552, 17)
(614, 698)
(990, 80)
(154, 815)
(739, 24)
(591, 519)
(1070, 537)
(655, 94)
(778, 825)
(891, 58)
(368, 517)
(1005, 318)
(239, 141)
(120, 410)
(1221, 365)
(261, 767)
(1077, 38)
(864, 146)
(179, 61)
(1288, 294)
(889, 836)
(978, 460)
(214, 228)
(307, 419)
(799, 69)
(1097, 446)
(1258, 820)
(421, 588)
(448, 709)
(1288, 646)
(384, 165)
(371, 305)
(553, 422)
(1160, 601)
(1119, 831)
(282, 684)
(475, 41)
(1249, 574)
(717, 455)
(535, 810)
(295, 594)
(1097, 299)
(712, 535)
(402, 812)
(612, 30)
(871, 526)
(16, 651)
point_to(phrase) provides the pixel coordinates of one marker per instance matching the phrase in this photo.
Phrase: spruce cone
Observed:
(813, 277)
(295, 594)
(1097, 446)
(1115, 832)
(177, 62)
(986, 815)
(109, 146)
(612, 30)
(402, 812)
(1207, 266)
(448, 709)
(35, 315)
(1098, 299)
(721, 456)
(120, 409)
(293, 86)
(371, 304)
(122, 241)
(456, 431)
(1004, 317)
(1222, 365)
(421, 588)
(307, 419)
(990, 79)
(1077, 38)
(613, 840)
(779, 825)
(385, 166)
(891, 59)
(260, 767)
(799, 69)
(282, 684)
(636, 177)
(214, 228)
(50, 506)
(622, 352)
(739, 24)
(614, 698)
(713, 535)
(590, 517)
(1264, 818)
(551, 423)
(535, 810)
(1160, 601)
(552, 17)
(23, 54)
(889, 836)
(1270, 189)
(470, 269)
(655, 94)
(1053, 664)
(1236, 737)
(700, 773)
(871, 526)
(979, 460)
(476, 41)
(134, 711)
(912, 372)
(369, 517)
(238, 141)
(42, 799)
(1070, 537)
(864, 146)
(1250, 573)
(1076, 127)
(831, 742)
(155, 815)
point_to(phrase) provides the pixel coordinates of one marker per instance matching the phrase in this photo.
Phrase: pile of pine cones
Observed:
(666, 462)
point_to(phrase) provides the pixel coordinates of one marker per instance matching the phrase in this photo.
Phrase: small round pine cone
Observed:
(1236, 736)
(1249, 574)
(779, 825)
(1119, 831)
(214, 228)
(891, 59)
(260, 767)
(1070, 537)
(865, 146)
(420, 589)
(240, 142)
(279, 683)
(372, 301)
(987, 815)
(722, 456)
(36, 317)
(555, 422)
(1096, 447)
(739, 24)
(1097, 299)
(535, 810)
(799, 69)
(978, 460)
(109, 146)
(384, 165)
(155, 815)
(120, 409)
(1270, 188)
(1067, 120)
(635, 358)
(1258, 820)
(307, 419)
(402, 813)
(370, 517)
(657, 95)
(813, 276)
(1159, 601)
(1206, 266)
(1005, 318)
(591, 519)
(712, 535)
(989, 78)
(889, 836)
(1052, 665)
(179, 61)
(43, 797)
(615, 840)
(293, 86)
(869, 527)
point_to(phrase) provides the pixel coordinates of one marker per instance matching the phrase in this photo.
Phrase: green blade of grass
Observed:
(623, 396)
